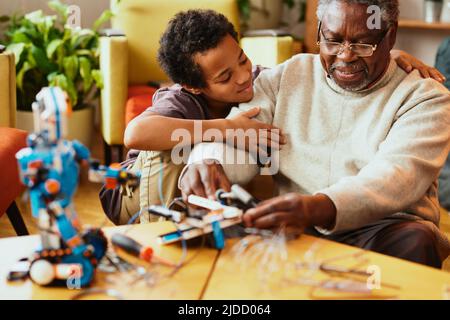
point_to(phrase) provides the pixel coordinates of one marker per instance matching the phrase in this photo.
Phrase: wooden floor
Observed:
(90, 211)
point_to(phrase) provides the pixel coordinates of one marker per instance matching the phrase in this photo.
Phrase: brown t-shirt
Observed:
(176, 102)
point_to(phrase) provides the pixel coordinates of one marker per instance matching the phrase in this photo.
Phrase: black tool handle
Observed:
(127, 244)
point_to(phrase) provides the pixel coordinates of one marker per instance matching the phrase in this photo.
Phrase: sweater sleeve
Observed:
(406, 165)
(240, 172)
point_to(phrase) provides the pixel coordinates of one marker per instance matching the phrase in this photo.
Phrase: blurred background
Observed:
(415, 36)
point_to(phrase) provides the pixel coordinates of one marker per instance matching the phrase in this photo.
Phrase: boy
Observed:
(201, 54)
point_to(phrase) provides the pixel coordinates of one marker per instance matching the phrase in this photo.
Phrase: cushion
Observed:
(11, 141)
(139, 99)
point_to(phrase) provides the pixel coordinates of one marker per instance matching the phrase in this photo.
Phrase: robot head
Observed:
(50, 112)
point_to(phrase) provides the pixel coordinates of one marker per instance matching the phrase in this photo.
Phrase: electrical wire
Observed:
(134, 217)
(160, 181)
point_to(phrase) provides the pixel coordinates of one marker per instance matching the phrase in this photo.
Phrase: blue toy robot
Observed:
(50, 167)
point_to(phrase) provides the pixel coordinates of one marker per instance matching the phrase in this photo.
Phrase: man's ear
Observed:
(192, 90)
(393, 36)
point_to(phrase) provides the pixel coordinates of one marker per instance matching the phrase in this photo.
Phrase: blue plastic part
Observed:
(218, 235)
(36, 202)
(57, 114)
(87, 272)
(112, 173)
(82, 152)
(96, 239)
(172, 236)
(66, 228)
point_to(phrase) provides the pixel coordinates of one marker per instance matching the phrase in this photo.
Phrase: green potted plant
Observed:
(266, 14)
(48, 52)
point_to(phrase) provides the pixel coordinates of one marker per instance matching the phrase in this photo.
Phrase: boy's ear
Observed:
(192, 90)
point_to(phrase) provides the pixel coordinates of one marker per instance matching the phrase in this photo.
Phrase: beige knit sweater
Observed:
(375, 153)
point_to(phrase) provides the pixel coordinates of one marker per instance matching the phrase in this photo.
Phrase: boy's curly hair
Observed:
(188, 33)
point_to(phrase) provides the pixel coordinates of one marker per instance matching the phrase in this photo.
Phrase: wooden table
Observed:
(216, 275)
(187, 284)
(399, 279)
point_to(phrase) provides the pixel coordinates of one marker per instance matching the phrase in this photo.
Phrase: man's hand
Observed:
(408, 63)
(203, 179)
(263, 136)
(292, 210)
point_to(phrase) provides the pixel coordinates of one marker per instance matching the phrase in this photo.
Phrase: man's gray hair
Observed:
(389, 9)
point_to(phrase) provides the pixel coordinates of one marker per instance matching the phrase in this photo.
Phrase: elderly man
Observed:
(366, 140)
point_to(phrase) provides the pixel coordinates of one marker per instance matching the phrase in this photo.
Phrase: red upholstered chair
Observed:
(139, 99)
(11, 141)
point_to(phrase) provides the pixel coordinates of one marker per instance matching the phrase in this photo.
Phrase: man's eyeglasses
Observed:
(336, 48)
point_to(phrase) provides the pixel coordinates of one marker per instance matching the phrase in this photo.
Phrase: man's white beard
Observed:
(363, 85)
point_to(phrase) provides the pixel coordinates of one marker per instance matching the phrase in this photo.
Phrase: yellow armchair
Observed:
(130, 58)
(7, 89)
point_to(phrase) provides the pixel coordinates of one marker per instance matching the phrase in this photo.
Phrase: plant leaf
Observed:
(52, 46)
(59, 8)
(17, 49)
(70, 65)
(244, 9)
(20, 37)
(72, 92)
(31, 31)
(60, 80)
(105, 17)
(60, 54)
(52, 76)
(49, 53)
(41, 59)
(81, 38)
(98, 78)
(85, 72)
(47, 26)
(19, 78)
(87, 83)
(84, 52)
(30, 59)
(85, 67)
(35, 17)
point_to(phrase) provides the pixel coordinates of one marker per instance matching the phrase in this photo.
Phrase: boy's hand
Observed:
(203, 179)
(408, 63)
(255, 134)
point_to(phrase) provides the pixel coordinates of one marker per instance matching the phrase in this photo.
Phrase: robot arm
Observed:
(113, 175)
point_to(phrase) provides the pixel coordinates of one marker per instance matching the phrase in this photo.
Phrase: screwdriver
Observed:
(136, 249)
